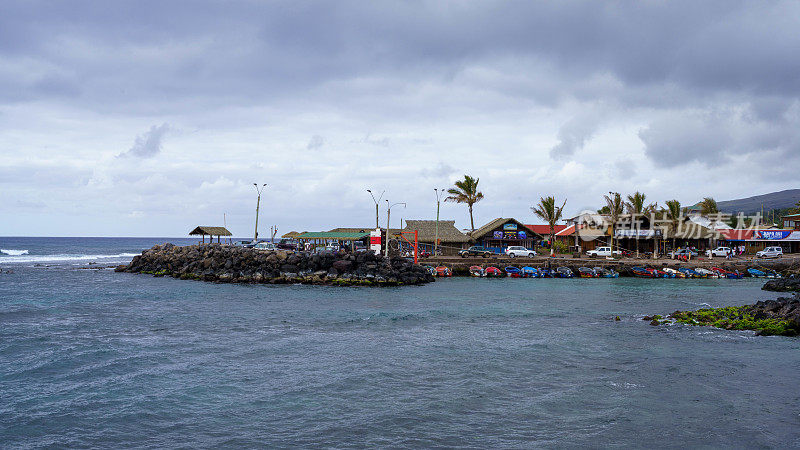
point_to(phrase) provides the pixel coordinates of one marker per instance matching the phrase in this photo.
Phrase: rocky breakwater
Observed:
(783, 285)
(227, 264)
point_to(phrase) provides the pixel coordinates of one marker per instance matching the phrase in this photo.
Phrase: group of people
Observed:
(735, 251)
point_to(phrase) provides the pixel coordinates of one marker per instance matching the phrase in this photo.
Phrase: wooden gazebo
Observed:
(211, 232)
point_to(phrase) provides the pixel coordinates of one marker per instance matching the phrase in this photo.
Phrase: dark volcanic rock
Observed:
(225, 264)
(783, 285)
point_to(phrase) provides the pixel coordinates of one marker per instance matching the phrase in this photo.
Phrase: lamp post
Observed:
(258, 204)
(376, 206)
(388, 213)
(439, 194)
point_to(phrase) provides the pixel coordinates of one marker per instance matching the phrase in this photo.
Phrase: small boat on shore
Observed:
(642, 272)
(476, 271)
(586, 272)
(545, 273)
(772, 274)
(564, 272)
(673, 273)
(603, 272)
(443, 271)
(660, 273)
(706, 273)
(689, 273)
(530, 272)
(513, 272)
(492, 271)
(755, 273)
(727, 273)
(431, 270)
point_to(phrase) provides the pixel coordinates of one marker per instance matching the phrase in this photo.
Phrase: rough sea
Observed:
(90, 358)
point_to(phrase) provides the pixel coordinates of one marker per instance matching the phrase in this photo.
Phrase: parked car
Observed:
(719, 251)
(244, 244)
(287, 244)
(359, 246)
(770, 252)
(514, 251)
(603, 251)
(327, 250)
(267, 246)
(682, 252)
(476, 250)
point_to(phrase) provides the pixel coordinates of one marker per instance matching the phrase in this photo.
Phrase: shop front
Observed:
(502, 233)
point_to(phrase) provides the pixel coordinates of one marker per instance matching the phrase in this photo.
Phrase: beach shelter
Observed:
(211, 232)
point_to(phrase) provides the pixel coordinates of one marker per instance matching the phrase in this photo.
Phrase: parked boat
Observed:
(476, 271)
(755, 273)
(603, 272)
(492, 271)
(431, 270)
(772, 274)
(545, 273)
(564, 272)
(727, 273)
(689, 273)
(673, 273)
(443, 271)
(706, 273)
(660, 273)
(642, 272)
(586, 272)
(513, 272)
(530, 272)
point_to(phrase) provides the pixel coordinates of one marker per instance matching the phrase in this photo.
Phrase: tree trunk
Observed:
(471, 222)
(552, 240)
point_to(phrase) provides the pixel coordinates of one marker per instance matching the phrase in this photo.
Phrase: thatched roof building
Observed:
(211, 232)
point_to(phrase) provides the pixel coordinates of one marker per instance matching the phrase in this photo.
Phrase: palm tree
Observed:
(615, 208)
(466, 191)
(636, 207)
(674, 213)
(709, 206)
(550, 213)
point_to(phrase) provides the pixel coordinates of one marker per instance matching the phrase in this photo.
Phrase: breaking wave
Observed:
(13, 252)
(25, 258)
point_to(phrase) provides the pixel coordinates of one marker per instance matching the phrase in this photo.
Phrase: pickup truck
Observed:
(475, 251)
(603, 251)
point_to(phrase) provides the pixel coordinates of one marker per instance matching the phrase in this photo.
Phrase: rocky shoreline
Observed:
(783, 285)
(225, 264)
(779, 317)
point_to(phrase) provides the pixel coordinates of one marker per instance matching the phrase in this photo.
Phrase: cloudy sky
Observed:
(148, 118)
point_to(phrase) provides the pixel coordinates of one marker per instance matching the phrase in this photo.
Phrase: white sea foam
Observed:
(25, 258)
(12, 252)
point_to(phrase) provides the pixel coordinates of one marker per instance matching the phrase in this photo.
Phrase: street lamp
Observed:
(436, 238)
(388, 213)
(258, 204)
(376, 206)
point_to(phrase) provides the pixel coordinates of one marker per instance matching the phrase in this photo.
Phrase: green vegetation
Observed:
(616, 208)
(550, 213)
(466, 191)
(735, 318)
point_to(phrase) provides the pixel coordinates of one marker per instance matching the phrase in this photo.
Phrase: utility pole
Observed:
(436, 238)
(388, 213)
(376, 206)
(258, 204)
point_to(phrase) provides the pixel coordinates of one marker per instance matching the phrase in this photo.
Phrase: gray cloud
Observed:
(315, 142)
(147, 144)
(573, 135)
(479, 86)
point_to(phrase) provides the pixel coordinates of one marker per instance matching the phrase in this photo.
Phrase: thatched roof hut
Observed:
(427, 231)
(211, 231)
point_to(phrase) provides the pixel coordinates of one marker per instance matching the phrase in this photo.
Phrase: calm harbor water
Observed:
(92, 358)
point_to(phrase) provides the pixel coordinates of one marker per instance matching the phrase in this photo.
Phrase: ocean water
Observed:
(92, 358)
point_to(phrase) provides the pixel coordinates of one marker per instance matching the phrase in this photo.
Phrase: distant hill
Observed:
(751, 205)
